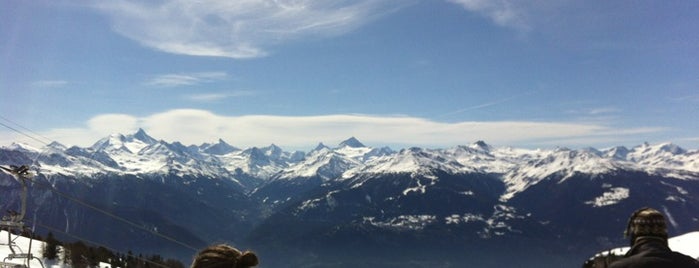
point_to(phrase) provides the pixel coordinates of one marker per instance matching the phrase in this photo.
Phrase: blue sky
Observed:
(426, 73)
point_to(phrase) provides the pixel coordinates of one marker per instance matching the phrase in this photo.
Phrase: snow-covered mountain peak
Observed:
(130, 144)
(667, 159)
(319, 147)
(561, 162)
(219, 148)
(618, 152)
(16, 146)
(113, 142)
(23, 147)
(662, 148)
(351, 142)
(142, 136)
(320, 150)
(413, 160)
(324, 163)
(273, 151)
(57, 146)
(139, 153)
(481, 146)
(357, 153)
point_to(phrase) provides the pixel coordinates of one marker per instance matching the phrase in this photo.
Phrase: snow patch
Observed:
(313, 203)
(675, 198)
(669, 217)
(421, 188)
(466, 218)
(611, 197)
(403, 222)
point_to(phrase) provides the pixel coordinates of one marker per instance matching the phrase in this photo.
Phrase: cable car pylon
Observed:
(15, 220)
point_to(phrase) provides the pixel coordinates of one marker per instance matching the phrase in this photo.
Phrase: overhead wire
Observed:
(20, 132)
(112, 215)
(87, 205)
(45, 142)
(27, 129)
(52, 229)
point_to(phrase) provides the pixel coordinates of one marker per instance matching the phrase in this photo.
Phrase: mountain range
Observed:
(352, 204)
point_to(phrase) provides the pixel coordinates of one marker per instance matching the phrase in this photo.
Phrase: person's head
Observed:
(224, 256)
(646, 222)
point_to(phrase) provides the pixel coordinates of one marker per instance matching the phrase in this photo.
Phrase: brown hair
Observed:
(224, 256)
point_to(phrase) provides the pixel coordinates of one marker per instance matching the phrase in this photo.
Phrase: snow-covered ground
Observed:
(21, 246)
(687, 244)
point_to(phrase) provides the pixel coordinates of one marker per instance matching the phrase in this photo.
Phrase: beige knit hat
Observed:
(646, 222)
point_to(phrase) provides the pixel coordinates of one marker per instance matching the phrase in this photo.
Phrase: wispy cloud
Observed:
(234, 29)
(212, 97)
(185, 79)
(198, 126)
(603, 110)
(49, 83)
(694, 139)
(686, 98)
(595, 111)
(506, 13)
(480, 106)
(490, 103)
(596, 114)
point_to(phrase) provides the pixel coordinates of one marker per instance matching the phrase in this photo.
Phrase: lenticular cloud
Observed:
(234, 29)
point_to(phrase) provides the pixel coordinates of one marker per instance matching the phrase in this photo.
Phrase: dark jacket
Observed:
(653, 252)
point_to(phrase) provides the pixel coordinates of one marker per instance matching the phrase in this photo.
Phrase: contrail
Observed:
(488, 104)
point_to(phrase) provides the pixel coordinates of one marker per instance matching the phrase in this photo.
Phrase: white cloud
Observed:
(604, 110)
(49, 83)
(185, 79)
(211, 97)
(595, 112)
(505, 13)
(112, 123)
(191, 126)
(686, 98)
(96, 128)
(234, 29)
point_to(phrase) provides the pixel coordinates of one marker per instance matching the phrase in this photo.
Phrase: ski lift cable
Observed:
(112, 215)
(109, 214)
(52, 229)
(45, 142)
(25, 134)
(26, 129)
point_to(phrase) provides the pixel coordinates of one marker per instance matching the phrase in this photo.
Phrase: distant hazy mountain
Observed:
(356, 205)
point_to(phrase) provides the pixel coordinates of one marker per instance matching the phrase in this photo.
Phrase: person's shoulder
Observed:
(689, 261)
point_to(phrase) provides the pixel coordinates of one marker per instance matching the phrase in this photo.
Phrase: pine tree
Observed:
(78, 255)
(51, 247)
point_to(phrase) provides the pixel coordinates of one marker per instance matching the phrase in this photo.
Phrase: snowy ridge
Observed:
(326, 163)
(350, 192)
(139, 153)
(560, 161)
(413, 160)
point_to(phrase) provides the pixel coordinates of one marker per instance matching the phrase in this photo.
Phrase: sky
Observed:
(398, 73)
